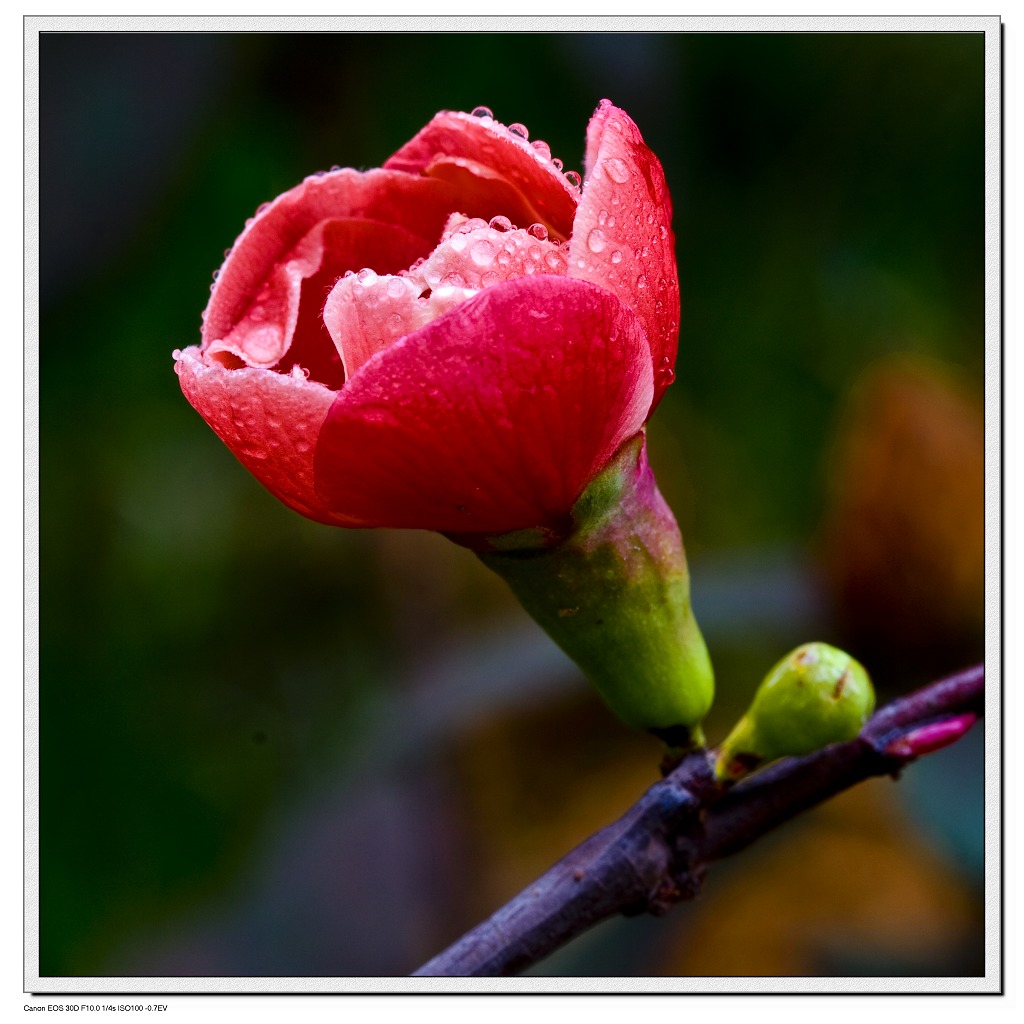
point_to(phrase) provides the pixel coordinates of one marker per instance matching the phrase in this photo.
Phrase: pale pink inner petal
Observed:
(475, 255)
(367, 312)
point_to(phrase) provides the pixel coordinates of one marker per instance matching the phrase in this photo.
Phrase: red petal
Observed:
(345, 244)
(493, 417)
(269, 420)
(485, 160)
(622, 238)
(417, 207)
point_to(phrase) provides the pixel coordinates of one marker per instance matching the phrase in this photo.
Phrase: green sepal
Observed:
(815, 696)
(615, 596)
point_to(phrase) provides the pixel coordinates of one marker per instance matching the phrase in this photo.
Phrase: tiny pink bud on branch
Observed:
(931, 737)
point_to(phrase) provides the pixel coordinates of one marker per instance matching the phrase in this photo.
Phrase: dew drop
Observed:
(482, 253)
(542, 148)
(538, 231)
(367, 277)
(554, 262)
(519, 130)
(596, 241)
(458, 242)
(500, 224)
(489, 278)
(482, 112)
(650, 218)
(395, 323)
(535, 253)
(663, 231)
(617, 256)
(396, 288)
(573, 178)
(558, 165)
(616, 170)
(602, 217)
(453, 280)
(641, 282)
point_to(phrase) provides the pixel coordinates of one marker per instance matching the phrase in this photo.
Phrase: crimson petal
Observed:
(622, 238)
(482, 157)
(493, 417)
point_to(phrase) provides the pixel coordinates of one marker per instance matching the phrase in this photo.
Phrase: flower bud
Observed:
(814, 696)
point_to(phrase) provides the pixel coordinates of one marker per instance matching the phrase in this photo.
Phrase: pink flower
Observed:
(459, 341)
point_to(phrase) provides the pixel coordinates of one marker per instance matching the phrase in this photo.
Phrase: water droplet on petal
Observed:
(650, 218)
(617, 256)
(519, 130)
(663, 231)
(538, 231)
(616, 170)
(396, 288)
(482, 112)
(641, 281)
(482, 253)
(500, 224)
(573, 178)
(558, 165)
(367, 277)
(458, 242)
(596, 241)
(542, 148)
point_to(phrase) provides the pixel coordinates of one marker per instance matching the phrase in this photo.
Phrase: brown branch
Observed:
(657, 853)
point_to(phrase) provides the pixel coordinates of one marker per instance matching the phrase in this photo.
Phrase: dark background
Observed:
(268, 747)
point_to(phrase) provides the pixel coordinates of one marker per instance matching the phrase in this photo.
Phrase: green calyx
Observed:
(615, 596)
(815, 696)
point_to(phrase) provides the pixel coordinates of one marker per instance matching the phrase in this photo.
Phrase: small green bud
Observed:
(815, 696)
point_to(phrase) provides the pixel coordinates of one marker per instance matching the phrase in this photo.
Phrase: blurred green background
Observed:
(269, 747)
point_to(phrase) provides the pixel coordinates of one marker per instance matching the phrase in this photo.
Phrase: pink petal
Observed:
(484, 159)
(493, 417)
(481, 256)
(622, 237)
(269, 420)
(366, 313)
(345, 244)
(417, 208)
